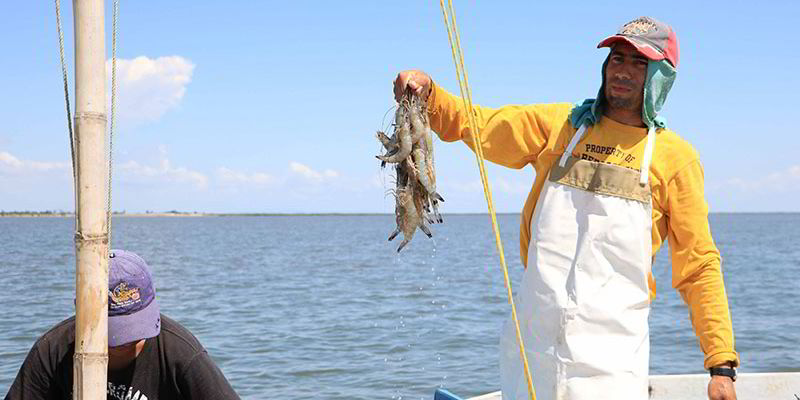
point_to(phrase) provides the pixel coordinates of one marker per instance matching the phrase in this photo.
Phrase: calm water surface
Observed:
(322, 307)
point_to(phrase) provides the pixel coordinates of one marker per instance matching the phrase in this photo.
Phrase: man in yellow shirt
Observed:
(612, 183)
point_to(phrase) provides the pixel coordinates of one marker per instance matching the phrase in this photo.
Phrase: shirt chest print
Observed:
(607, 155)
(124, 392)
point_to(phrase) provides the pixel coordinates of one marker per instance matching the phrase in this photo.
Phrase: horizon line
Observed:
(279, 214)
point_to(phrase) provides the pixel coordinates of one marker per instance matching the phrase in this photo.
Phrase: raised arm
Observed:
(512, 136)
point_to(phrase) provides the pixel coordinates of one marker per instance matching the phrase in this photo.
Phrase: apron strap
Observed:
(572, 143)
(648, 156)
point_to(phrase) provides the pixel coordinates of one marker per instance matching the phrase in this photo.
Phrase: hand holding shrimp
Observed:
(410, 148)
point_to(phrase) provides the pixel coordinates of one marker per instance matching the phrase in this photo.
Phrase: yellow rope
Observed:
(466, 95)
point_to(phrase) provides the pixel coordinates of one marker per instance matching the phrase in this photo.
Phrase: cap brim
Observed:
(144, 324)
(646, 49)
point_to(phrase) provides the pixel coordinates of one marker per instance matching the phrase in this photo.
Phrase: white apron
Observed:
(584, 301)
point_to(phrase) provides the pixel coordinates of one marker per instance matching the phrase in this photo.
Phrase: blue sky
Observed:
(272, 106)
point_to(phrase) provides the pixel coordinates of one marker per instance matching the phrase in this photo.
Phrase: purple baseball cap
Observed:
(133, 312)
(652, 38)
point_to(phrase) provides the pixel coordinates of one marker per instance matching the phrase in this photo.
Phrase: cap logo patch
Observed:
(638, 26)
(122, 296)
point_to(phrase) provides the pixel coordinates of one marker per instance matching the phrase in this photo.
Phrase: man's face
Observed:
(122, 356)
(625, 75)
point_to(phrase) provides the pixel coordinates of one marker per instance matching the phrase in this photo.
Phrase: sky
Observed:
(246, 106)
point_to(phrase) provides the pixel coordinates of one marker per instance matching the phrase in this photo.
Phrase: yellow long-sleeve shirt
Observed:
(515, 136)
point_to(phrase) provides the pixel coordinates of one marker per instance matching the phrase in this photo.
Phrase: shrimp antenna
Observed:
(383, 121)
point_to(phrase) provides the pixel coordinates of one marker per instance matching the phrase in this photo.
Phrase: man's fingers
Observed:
(406, 79)
(400, 85)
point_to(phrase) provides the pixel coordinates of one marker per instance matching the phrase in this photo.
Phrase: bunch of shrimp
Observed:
(410, 148)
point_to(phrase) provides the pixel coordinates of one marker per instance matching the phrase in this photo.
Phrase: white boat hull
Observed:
(767, 386)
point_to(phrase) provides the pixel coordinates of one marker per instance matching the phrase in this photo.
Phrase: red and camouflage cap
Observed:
(654, 39)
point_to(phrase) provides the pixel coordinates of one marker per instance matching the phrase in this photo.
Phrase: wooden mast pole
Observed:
(91, 237)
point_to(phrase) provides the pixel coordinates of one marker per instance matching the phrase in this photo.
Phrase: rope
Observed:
(113, 108)
(466, 95)
(69, 114)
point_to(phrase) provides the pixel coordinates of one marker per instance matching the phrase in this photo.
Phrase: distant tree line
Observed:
(34, 213)
(65, 213)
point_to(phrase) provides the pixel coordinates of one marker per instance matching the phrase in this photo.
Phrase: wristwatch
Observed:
(730, 372)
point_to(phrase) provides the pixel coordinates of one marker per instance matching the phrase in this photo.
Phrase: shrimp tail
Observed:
(424, 228)
(403, 244)
(436, 214)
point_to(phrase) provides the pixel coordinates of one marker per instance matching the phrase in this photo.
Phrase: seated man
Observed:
(150, 356)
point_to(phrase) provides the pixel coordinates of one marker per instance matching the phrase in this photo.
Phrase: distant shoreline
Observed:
(26, 214)
(14, 214)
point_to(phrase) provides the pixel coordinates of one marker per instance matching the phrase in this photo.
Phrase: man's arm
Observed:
(202, 379)
(696, 266)
(512, 136)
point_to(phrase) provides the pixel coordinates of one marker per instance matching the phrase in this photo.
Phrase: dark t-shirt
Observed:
(172, 365)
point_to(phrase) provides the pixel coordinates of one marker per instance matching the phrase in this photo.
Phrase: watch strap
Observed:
(729, 372)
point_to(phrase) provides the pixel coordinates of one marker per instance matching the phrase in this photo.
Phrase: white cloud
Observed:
(35, 185)
(775, 180)
(312, 175)
(465, 187)
(497, 185)
(10, 161)
(164, 172)
(227, 175)
(511, 187)
(9, 164)
(147, 88)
